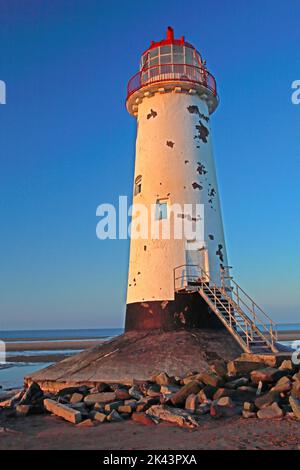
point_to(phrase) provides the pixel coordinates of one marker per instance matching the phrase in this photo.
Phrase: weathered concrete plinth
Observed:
(138, 355)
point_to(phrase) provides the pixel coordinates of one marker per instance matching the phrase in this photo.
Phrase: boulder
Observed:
(70, 390)
(224, 407)
(153, 391)
(283, 385)
(191, 403)
(142, 418)
(296, 376)
(122, 394)
(295, 404)
(203, 409)
(164, 379)
(267, 374)
(207, 393)
(249, 406)
(219, 367)
(87, 423)
(270, 412)
(295, 392)
(167, 389)
(32, 394)
(237, 382)
(126, 409)
(23, 410)
(238, 367)
(76, 398)
(179, 397)
(172, 415)
(267, 399)
(135, 392)
(63, 411)
(114, 405)
(101, 417)
(248, 414)
(114, 416)
(223, 392)
(102, 398)
(191, 378)
(287, 364)
(210, 378)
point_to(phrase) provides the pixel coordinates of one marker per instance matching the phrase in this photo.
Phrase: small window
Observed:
(161, 209)
(138, 185)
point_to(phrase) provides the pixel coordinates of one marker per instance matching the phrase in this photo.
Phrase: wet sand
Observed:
(50, 432)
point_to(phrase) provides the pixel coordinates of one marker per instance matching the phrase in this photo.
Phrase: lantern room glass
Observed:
(171, 62)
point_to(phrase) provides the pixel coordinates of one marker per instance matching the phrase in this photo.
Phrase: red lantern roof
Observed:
(169, 40)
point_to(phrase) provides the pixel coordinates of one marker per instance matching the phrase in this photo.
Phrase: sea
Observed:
(12, 373)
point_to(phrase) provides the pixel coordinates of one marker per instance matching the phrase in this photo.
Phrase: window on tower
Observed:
(161, 209)
(138, 185)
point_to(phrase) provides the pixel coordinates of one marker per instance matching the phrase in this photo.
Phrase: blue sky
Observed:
(67, 145)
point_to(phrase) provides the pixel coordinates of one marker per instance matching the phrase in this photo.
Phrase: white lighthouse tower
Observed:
(172, 97)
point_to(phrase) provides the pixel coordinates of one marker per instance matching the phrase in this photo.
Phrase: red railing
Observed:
(167, 72)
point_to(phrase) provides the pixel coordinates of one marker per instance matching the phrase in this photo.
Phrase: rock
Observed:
(283, 385)
(267, 374)
(87, 423)
(296, 377)
(237, 383)
(295, 404)
(167, 389)
(76, 398)
(191, 378)
(243, 394)
(179, 397)
(267, 399)
(191, 403)
(249, 406)
(114, 416)
(122, 394)
(295, 392)
(99, 407)
(225, 401)
(153, 391)
(238, 367)
(207, 393)
(102, 387)
(286, 364)
(65, 412)
(224, 407)
(270, 412)
(145, 403)
(135, 392)
(23, 410)
(219, 367)
(248, 414)
(172, 415)
(164, 379)
(223, 392)
(125, 409)
(142, 418)
(70, 390)
(102, 398)
(133, 403)
(32, 394)
(210, 378)
(114, 405)
(203, 409)
(101, 417)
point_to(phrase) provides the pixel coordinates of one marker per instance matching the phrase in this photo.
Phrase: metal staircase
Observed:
(251, 327)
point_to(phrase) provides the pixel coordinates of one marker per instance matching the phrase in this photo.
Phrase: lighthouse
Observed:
(173, 97)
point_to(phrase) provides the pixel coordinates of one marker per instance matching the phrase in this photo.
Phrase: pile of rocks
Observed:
(247, 388)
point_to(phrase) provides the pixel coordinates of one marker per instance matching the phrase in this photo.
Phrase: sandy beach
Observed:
(50, 432)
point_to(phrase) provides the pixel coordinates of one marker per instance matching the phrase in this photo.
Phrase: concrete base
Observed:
(188, 310)
(138, 356)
